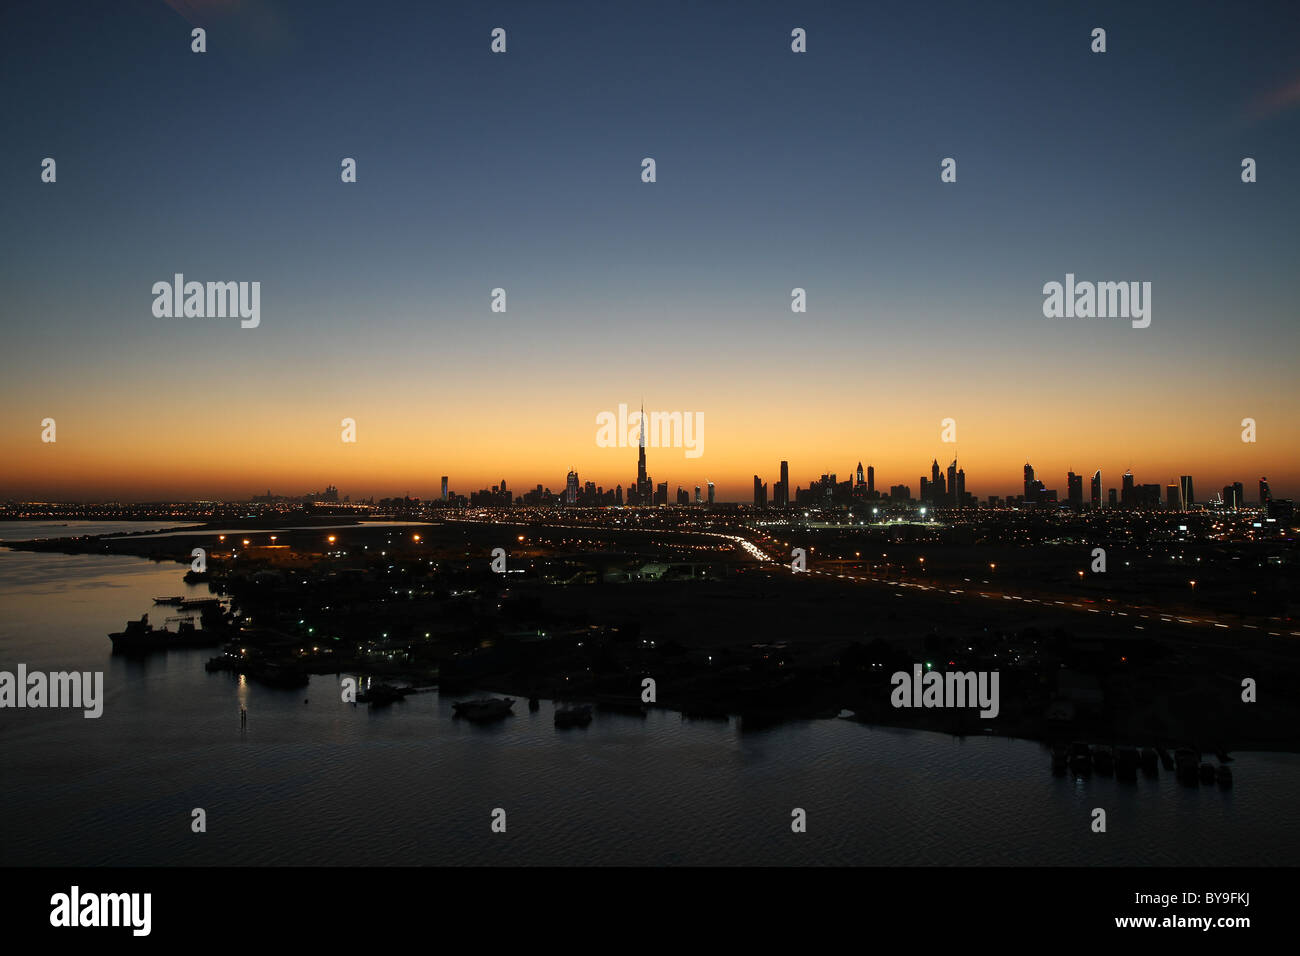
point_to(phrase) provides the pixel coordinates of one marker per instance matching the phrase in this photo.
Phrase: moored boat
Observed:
(1166, 761)
(1186, 760)
(140, 637)
(483, 709)
(1060, 759)
(578, 716)
(1150, 762)
(1081, 759)
(381, 695)
(1126, 763)
(264, 672)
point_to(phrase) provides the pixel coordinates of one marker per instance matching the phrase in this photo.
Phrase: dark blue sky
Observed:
(775, 170)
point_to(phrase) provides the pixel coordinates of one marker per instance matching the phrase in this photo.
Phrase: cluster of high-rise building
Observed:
(937, 490)
(943, 488)
(947, 489)
(826, 490)
(330, 496)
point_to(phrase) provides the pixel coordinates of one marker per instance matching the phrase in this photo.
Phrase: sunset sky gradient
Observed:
(522, 170)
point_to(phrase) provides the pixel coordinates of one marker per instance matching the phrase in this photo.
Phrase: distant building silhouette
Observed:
(1074, 490)
(1234, 495)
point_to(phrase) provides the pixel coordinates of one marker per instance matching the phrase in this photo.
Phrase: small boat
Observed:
(1060, 759)
(199, 604)
(1166, 760)
(178, 600)
(1186, 759)
(484, 709)
(579, 716)
(1150, 762)
(381, 695)
(1224, 776)
(1207, 772)
(1081, 759)
(1126, 764)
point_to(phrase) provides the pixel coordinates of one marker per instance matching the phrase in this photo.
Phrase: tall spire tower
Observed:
(642, 483)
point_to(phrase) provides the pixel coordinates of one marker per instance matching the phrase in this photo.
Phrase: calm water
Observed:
(326, 783)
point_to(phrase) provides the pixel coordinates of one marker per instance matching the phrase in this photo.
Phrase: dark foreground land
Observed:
(589, 612)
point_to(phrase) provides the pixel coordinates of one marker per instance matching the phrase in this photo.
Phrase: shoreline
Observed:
(817, 685)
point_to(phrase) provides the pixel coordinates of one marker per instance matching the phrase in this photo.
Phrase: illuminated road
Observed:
(760, 554)
(1113, 609)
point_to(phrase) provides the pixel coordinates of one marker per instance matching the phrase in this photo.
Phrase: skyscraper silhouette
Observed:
(643, 489)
